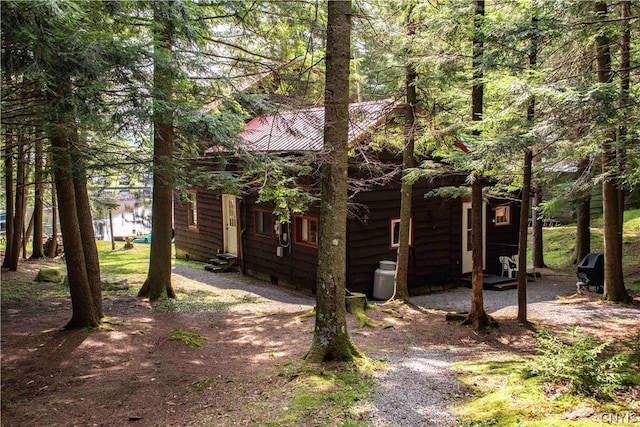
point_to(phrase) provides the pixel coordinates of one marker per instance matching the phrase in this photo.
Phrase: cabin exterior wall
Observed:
(434, 257)
(295, 267)
(203, 241)
(502, 239)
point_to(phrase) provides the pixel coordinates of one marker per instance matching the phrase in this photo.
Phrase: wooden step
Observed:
(213, 268)
(223, 262)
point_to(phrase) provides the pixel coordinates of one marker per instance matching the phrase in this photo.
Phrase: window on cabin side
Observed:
(192, 213)
(263, 222)
(395, 232)
(469, 230)
(306, 231)
(503, 215)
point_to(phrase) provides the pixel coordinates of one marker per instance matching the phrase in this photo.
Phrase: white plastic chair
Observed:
(514, 260)
(508, 266)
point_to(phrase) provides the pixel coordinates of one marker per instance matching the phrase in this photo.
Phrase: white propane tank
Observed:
(383, 280)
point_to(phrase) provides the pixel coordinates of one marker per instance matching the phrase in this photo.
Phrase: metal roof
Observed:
(303, 130)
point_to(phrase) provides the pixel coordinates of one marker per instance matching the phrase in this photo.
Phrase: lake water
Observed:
(132, 217)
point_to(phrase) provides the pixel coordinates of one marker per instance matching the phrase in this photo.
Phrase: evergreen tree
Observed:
(613, 279)
(331, 339)
(158, 282)
(406, 191)
(64, 57)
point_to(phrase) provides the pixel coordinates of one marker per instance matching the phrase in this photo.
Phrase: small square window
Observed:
(263, 221)
(395, 232)
(503, 215)
(306, 231)
(192, 212)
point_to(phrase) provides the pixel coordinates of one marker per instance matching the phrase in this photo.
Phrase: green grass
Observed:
(559, 243)
(189, 300)
(191, 295)
(130, 263)
(25, 287)
(190, 339)
(307, 395)
(133, 265)
(502, 396)
(323, 395)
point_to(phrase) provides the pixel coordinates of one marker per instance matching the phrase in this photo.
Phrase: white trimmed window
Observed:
(263, 221)
(192, 212)
(306, 231)
(503, 215)
(394, 232)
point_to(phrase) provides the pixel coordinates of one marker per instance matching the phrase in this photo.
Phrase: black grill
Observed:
(591, 271)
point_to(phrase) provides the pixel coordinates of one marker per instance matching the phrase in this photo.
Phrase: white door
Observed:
(467, 261)
(230, 223)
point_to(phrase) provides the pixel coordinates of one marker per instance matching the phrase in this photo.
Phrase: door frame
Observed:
(229, 224)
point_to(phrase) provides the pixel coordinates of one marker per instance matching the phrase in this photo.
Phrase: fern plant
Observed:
(584, 364)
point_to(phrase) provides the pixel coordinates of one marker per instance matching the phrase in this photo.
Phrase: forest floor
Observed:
(135, 371)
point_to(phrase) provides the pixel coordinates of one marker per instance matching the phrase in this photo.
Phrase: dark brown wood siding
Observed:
(434, 258)
(501, 239)
(297, 266)
(204, 241)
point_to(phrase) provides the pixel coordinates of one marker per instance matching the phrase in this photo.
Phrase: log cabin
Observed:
(213, 224)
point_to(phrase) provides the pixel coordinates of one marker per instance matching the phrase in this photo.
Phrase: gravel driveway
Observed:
(546, 303)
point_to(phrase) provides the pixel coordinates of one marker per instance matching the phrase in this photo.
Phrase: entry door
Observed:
(230, 223)
(467, 260)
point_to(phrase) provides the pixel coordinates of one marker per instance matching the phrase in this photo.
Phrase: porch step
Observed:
(213, 268)
(493, 283)
(223, 262)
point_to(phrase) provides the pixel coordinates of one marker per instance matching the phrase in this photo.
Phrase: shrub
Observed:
(585, 365)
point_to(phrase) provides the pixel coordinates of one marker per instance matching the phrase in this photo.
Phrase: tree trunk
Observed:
(158, 283)
(522, 242)
(477, 90)
(85, 223)
(53, 248)
(113, 242)
(19, 209)
(614, 289)
(331, 339)
(537, 247)
(583, 215)
(477, 316)
(406, 191)
(38, 204)
(625, 87)
(28, 230)
(84, 313)
(27, 227)
(9, 197)
(525, 209)
(63, 133)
